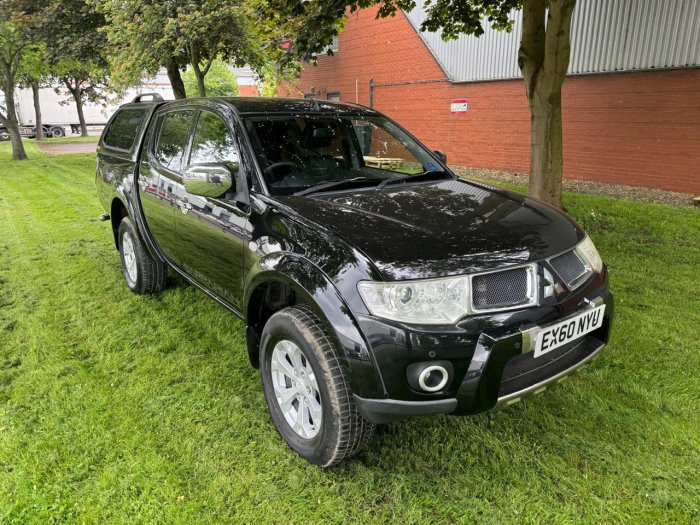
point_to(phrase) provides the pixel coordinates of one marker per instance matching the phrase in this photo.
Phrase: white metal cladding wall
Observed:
(606, 35)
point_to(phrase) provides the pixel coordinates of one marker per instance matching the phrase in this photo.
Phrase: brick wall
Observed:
(248, 91)
(640, 129)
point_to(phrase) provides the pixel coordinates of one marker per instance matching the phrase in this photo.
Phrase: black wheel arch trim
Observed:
(316, 290)
(140, 226)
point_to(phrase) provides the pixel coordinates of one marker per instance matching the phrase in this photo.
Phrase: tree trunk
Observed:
(544, 59)
(176, 80)
(10, 122)
(546, 151)
(18, 152)
(201, 88)
(37, 110)
(198, 71)
(77, 94)
(81, 118)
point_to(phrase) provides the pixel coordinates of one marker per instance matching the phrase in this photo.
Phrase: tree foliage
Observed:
(74, 45)
(150, 34)
(219, 82)
(543, 56)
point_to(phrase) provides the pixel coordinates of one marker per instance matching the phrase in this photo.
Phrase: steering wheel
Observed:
(272, 168)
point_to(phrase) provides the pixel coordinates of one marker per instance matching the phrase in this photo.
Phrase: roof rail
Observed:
(155, 97)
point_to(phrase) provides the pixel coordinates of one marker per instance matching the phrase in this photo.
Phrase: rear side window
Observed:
(172, 139)
(122, 132)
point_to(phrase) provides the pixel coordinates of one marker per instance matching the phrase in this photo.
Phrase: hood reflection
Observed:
(440, 229)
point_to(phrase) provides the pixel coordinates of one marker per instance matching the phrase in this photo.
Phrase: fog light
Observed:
(431, 376)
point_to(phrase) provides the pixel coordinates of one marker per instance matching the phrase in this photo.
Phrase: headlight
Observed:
(429, 301)
(587, 252)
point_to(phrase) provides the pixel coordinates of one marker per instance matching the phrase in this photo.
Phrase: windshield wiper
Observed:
(416, 176)
(338, 183)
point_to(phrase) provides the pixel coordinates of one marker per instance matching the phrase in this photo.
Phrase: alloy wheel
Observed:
(296, 389)
(129, 257)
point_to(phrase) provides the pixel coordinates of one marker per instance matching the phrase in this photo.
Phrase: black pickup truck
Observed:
(373, 282)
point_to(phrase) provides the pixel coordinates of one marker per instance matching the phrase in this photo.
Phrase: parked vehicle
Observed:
(50, 130)
(374, 284)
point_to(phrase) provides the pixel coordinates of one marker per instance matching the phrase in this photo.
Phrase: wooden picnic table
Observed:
(383, 162)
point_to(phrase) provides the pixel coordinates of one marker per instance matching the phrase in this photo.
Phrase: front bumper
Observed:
(386, 410)
(492, 359)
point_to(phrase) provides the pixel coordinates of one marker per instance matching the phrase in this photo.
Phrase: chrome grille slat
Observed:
(503, 289)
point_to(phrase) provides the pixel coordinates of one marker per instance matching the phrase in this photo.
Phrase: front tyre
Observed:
(307, 390)
(143, 274)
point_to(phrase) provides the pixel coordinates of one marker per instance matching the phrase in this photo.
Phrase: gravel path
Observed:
(636, 193)
(67, 147)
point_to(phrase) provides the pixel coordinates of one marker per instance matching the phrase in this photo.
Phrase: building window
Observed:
(334, 44)
(333, 96)
(333, 47)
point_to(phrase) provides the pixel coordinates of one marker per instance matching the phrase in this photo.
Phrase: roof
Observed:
(250, 105)
(624, 35)
(266, 105)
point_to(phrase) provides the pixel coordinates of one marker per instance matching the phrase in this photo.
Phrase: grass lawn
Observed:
(116, 408)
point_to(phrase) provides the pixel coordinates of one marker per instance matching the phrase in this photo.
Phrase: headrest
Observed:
(321, 137)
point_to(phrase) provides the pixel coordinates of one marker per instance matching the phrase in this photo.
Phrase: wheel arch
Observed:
(117, 212)
(282, 280)
(120, 207)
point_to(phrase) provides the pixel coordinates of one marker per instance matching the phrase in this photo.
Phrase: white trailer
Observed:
(59, 115)
(58, 111)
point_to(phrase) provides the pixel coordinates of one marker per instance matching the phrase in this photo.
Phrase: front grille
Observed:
(569, 267)
(502, 289)
(526, 370)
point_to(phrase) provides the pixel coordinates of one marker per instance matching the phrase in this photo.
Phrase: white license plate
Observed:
(556, 335)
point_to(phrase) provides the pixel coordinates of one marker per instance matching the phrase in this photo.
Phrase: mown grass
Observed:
(116, 408)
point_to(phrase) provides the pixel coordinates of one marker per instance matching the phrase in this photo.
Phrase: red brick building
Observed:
(630, 127)
(248, 91)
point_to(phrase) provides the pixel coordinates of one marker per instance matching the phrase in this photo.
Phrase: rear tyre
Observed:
(143, 274)
(307, 389)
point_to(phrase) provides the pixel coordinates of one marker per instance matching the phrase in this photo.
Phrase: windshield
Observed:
(299, 152)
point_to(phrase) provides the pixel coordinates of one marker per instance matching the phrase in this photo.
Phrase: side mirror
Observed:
(208, 180)
(441, 155)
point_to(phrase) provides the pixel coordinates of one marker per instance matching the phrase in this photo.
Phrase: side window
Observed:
(213, 141)
(172, 139)
(122, 130)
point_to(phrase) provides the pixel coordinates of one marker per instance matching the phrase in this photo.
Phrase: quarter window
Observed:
(122, 130)
(173, 139)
